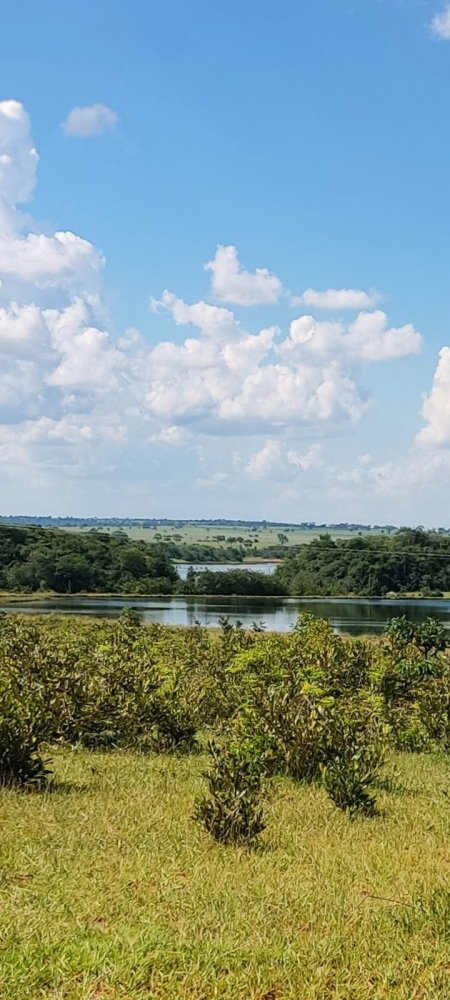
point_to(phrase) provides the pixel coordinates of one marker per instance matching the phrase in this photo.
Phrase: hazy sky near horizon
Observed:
(225, 259)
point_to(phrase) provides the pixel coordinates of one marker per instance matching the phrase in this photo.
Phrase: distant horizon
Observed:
(216, 521)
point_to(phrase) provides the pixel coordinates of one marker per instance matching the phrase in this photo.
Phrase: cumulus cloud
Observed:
(231, 283)
(440, 24)
(272, 461)
(62, 260)
(368, 338)
(336, 299)
(229, 376)
(18, 155)
(78, 400)
(436, 406)
(92, 119)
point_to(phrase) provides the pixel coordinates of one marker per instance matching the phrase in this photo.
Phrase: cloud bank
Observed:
(98, 420)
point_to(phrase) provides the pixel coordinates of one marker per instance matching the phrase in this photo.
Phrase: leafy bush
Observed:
(434, 710)
(428, 636)
(408, 732)
(357, 740)
(24, 708)
(232, 812)
(349, 783)
(290, 722)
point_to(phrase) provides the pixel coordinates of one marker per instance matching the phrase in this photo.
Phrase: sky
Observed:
(225, 260)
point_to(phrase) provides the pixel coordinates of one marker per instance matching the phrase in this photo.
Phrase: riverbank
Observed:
(14, 597)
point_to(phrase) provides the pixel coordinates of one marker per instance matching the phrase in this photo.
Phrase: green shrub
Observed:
(24, 708)
(232, 812)
(349, 783)
(290, 721)
(408, 732)
(357, 739)
(434, 710)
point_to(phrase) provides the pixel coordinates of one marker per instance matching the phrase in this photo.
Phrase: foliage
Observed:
(232, 812)
(357, 743)
(236, 581)
(35, 558)
(311, 702)
(409, 561)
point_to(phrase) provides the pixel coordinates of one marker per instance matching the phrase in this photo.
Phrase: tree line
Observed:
(45, 559)
(411, 561)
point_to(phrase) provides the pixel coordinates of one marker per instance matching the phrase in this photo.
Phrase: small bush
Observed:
(20, 762)
(232, 812)
(349, 783)
(356, 747)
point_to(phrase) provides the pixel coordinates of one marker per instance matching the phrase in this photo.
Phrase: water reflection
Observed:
(354, 616)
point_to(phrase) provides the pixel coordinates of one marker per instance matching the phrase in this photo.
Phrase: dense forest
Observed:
(44, 559)
(411, 561)
(33, 559)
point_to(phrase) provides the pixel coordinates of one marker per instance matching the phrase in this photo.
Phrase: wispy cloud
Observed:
(84, 122)
(336, 298)
(440, 24)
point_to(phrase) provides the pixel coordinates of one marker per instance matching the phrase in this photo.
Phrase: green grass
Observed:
(193, 534)
(108, 889)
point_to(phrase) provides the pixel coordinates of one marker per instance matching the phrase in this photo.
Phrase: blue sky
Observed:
(313, 139)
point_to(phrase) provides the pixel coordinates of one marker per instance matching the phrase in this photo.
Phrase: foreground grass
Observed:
(108, 889)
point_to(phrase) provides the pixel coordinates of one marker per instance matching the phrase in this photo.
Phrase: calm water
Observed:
(279, 614)
(263, 567)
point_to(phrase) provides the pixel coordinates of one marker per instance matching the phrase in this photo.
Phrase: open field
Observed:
(110, 890)
(317, 864)
(223, 536)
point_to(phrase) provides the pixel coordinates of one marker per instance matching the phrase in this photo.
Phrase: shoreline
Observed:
(15, 597)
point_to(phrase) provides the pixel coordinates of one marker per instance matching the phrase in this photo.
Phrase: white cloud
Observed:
(231, 283)
(117, 411)
(371, 339)
(336, 299)
(226, 376)
(62, 260)
(436, 406)
(18, 155)
(93, 119)
(310, 460)
(368, 338)
(87, 357)
(214, 321)
(262, 463)
(440, 24)
(175, 437)
(273, 462)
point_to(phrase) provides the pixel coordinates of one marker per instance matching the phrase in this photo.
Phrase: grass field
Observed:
(192, 534)
(110, 890)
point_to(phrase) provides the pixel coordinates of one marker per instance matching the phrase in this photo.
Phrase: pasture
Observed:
(114, 881)
(109, 889)
(222, 536)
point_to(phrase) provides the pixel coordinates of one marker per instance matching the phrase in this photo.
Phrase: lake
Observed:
(353, 615)
(262, 567)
